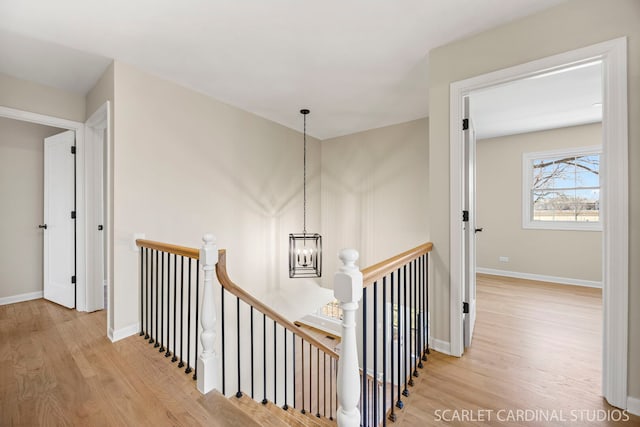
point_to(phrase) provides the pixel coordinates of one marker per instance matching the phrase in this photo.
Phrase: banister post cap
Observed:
(208, 252)
(347, 284)
(209, 239)
(349, 257)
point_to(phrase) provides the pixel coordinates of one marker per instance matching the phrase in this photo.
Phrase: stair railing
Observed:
(169, 301)
(389, 352)
(269, 357)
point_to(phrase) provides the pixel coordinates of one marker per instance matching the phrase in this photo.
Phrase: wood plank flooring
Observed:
(536, 347)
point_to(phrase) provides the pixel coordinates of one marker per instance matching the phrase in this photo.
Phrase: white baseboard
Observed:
(540, 277)
(440, 346)
(633, 405)
(21, 297)
(127, 331)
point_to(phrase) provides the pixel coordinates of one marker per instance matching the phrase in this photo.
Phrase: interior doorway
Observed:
(614, 199)
(92, 249)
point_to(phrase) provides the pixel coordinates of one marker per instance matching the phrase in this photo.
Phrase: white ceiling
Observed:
(565, 97)
(357, 64)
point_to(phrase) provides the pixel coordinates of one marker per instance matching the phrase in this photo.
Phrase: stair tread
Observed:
(257, 411)
(308, 419)
(224, 413)
(272, 415)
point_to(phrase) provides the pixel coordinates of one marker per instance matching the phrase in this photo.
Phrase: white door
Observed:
(59, 234)
(94, 152)
(469, 224)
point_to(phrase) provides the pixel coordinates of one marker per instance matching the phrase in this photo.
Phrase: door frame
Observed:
(82, 168)
(615, 200)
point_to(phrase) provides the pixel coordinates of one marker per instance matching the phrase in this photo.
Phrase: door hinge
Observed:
(465, 124)
(73, 279)
(73, 214)
(73, 149)
(465, 308)
(465, 216)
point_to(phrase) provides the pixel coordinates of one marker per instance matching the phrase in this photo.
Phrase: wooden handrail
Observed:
(166, 247)
(227, 283)
(381, 269)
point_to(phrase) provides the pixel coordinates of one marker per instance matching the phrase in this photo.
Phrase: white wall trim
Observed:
(440, 346)
(122, 333)
(21, 297)
(615, 199)
(540, 277)
(633, 405)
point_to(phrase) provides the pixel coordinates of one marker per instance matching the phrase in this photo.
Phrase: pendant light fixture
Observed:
(305, 249)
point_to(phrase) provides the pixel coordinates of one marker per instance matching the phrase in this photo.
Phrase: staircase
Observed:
(256, 367)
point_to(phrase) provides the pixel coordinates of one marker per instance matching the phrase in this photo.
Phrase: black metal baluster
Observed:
(196, 339)
(161, 334)
(285, 407)
(275, 365)
(318, 382)
(365, 374)
(147, 327)
(384, 351)
(181, 363)
(168, 341)
(188, 370)
(426, 306)
(157, 344)
(415, 317)
(420, 332)
(168, 353)
(392, 416)
(375, 351)
(175, 305)
(302, 371)
(264, 359)
(141, 291)
(224, 383)
(412, 277)
(239, 392)
(406, 339)
(151, 340)
(154, 335)
(331, 388)
(251, 331)
(413, 326)
(399, 403)
(293, 352)
(324, 384)
(310, 380)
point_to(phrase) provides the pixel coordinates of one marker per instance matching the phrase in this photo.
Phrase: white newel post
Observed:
(348, 290)
(207, 361)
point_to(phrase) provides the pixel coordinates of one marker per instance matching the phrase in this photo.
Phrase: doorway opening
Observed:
(614, 199)
(92, 249)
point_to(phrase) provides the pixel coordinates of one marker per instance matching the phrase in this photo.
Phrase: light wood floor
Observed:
(536, 346)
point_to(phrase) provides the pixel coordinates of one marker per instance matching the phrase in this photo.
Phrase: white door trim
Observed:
(97, 212)
(615, 203)
(79, 128)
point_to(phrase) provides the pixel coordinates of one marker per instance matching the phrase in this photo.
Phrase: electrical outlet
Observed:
(503, 259)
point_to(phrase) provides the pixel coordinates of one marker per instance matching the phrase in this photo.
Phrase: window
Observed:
(561, 189)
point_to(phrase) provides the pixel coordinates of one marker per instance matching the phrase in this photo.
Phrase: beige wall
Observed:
(374, 193)
(558, 253)
(185, 164)
(21, 209)
(37, 98)
(571, 25)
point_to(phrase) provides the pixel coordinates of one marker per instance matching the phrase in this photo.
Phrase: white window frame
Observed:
(527, 177)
